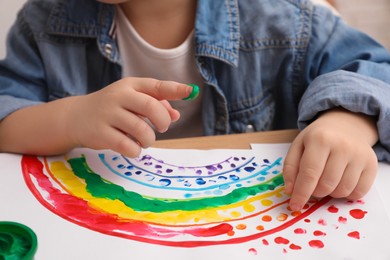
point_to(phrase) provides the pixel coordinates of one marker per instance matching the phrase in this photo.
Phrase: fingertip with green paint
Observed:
(194, 94)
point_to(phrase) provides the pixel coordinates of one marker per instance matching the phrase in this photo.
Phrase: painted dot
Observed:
(165, 182)
(316, 244)
(265, 242)
(307, 220)
(241, 226)
(296, 213)
(342, 220)
(266, 218)
(211, 168)
(231, 233)
(217, 192)
(234, 177)
(266, 202)
(138, 172)
(168, 170)
(295, 247)
(235, 214)
(354, 234)
(282, 217)
(281, 240)
(249, 169)
(121, 166)
(200, 181)
(357, 213)
(130, 167)
(333, 209)
(128, 173)
(319, 233)
(252, 251)
(224, 187)
(249, 208)
(260, 227)
(322, 222)
(300, 231)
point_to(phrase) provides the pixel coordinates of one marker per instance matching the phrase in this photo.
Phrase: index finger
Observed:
(311, 166)
(164, 90)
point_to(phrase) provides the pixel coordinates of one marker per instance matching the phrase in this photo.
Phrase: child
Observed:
(98, 74)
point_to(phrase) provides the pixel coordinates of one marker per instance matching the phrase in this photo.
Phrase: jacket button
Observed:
(108, 49)
(249, 129)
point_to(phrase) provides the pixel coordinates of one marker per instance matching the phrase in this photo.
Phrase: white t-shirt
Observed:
(141, 59)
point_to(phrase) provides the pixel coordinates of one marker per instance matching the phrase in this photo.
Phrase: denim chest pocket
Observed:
(258, 116)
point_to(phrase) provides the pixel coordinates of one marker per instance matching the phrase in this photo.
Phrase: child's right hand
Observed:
(114, 117)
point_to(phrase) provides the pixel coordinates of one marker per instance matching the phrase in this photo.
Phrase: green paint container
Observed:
(17, 241)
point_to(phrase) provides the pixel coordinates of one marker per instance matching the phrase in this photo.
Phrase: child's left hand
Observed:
(332, 156)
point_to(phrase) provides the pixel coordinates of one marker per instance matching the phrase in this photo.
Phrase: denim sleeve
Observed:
(346, 68)
(22, 77)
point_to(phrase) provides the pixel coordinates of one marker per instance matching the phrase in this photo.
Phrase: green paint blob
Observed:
(100, 188)
(17, 241)
(194, 94)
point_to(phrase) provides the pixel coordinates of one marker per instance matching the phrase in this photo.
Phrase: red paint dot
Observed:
(295, 247)
(307, 220)
(318, 233)
(342, 220)
(357, 213)
(281, 240)
(265, 242)
(322, 222)
(252, 251)
(316, 244)
(333, 209)
(300, 231)
(354, 234)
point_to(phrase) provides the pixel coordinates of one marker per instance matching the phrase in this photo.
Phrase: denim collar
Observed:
(217, 30)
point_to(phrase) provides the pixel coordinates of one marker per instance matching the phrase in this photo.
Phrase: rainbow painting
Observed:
(189, 199)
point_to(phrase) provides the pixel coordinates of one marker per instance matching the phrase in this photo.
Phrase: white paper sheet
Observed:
(175, 204)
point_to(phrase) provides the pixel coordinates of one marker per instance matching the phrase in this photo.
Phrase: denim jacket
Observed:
(267, 64)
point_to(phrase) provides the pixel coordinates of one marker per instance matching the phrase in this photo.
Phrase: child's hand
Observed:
(114, 117)
(332, 156)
